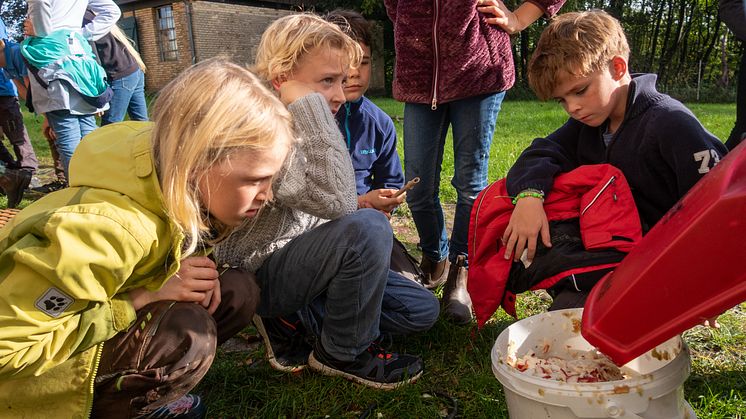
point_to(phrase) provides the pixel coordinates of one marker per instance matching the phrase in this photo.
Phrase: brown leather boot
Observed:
(456, 299)
(434, 273)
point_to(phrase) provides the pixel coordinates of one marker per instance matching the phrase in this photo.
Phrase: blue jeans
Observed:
(129, 97)
(407, 307)
(347, 260)
(70, 129)
(473, 122)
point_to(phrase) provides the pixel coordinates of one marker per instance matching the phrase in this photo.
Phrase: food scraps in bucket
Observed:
(583, 367)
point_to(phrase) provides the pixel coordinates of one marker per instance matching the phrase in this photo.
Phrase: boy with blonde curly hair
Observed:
(322, 264)
(581, 61)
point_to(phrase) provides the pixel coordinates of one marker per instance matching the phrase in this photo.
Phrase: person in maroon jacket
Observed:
(453, 66)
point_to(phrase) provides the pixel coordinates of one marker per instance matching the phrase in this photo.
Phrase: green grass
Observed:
(242, 385)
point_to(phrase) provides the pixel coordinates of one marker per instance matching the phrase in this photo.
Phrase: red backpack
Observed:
(597, 195)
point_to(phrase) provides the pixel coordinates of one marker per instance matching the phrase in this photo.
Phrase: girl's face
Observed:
(236, 188)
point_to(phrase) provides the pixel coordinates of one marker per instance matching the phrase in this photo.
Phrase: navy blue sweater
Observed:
(371, 141)
(660, 146)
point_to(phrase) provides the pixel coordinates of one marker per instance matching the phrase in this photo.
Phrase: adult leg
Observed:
(739, 129)
(424, 140)
(87, 124)
(13, 127)
(138, 106)
(345, 259)
(119, 102)
(473, 121)
(158, 360)
(68, 129)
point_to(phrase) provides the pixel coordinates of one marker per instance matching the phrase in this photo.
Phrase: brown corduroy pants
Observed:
(169, 349)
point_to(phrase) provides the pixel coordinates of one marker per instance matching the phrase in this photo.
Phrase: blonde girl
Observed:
(109, 303)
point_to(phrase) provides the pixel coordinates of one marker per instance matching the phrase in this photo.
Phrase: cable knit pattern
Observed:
(316, 185)
(472, 57)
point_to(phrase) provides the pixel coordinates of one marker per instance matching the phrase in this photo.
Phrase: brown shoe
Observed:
(14, 182)
(456, 299)
(434, 273)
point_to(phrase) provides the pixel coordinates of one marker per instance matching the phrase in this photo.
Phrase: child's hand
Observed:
(381, 199)
(292, 90)
(196, 281)
(526, 223)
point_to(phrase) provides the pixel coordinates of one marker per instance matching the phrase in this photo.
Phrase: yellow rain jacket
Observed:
(67, 262)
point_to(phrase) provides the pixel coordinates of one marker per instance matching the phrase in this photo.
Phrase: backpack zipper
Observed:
(593, 201)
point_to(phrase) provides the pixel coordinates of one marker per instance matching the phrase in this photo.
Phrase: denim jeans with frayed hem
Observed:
(70, 129)
(347, 260)
(129, 98)
(473, 123)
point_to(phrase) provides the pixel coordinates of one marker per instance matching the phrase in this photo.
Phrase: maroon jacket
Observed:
(446, 51)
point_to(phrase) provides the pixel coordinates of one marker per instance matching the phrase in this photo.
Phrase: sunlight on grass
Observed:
(242, 385)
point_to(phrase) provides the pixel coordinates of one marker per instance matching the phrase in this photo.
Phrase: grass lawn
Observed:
(241, 384)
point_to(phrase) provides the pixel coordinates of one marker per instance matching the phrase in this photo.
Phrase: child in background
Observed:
(109, 305)
(369, 132)
(371, 140)
(615, 117)
(18, 169)
(313, 251)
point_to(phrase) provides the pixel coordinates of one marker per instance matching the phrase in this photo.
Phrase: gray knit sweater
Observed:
(316, 185)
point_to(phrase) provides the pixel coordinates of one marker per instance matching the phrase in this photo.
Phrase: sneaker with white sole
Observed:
(284, 341)
(375, 367)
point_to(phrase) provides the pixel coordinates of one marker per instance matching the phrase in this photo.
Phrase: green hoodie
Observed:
(67, 262)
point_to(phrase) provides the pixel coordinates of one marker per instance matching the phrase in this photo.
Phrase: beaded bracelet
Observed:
(533, 193)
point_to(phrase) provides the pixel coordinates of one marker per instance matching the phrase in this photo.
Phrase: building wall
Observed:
(161, 72)
(217, 29)
(230, 29)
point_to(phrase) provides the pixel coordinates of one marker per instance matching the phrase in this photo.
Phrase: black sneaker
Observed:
(14, 183)
(189, 406)
(52, 186)
(285, 342)
(375, 367)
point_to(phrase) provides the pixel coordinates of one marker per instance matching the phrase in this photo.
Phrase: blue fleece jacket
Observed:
(371, 142)
(7, 88)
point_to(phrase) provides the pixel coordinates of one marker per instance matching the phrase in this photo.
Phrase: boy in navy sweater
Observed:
(369, 132)
(615, 117)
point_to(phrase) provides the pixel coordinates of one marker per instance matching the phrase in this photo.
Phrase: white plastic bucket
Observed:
(654, 389)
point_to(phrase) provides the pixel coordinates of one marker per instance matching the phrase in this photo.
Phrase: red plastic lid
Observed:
(688, 268)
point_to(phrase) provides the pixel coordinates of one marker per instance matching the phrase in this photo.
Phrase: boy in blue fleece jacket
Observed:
(369, 132)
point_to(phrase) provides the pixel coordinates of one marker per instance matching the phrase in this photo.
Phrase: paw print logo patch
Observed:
(53, 302)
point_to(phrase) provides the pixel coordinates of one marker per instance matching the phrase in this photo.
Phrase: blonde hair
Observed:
(576, 44)
(129, 44)
(212, 109)
(289, 38)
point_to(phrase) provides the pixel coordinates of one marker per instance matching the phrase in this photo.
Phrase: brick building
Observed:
(172, 35)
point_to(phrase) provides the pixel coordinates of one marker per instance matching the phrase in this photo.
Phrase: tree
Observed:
(13, 13)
